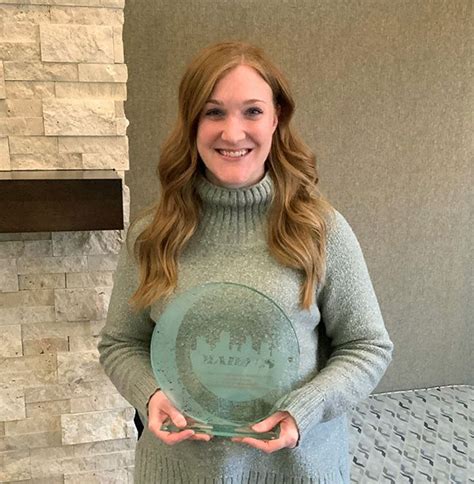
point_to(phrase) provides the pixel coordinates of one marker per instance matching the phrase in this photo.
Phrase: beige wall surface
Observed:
(384, 97)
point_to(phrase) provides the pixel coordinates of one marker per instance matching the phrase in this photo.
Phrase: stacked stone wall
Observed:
(62, 92)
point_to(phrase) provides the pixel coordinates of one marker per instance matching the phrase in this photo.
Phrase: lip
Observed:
(233, 158)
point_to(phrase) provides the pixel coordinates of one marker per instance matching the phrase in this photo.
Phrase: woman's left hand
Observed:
(288, 433)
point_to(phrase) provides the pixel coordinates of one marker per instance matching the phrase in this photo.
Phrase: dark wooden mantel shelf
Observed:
(60, 200)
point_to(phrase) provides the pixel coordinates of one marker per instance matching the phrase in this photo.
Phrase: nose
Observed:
(233, 130)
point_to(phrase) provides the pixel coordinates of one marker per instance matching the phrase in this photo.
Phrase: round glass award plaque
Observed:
(224, 354)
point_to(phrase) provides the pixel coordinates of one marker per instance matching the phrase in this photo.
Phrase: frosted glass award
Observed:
(224, 354)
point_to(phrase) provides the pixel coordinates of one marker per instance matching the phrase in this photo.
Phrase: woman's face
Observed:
(236, 127)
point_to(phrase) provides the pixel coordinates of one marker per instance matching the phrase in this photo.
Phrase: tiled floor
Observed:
(414, 436)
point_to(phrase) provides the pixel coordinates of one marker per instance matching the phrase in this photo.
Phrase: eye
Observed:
(213, 113)
(253, 111)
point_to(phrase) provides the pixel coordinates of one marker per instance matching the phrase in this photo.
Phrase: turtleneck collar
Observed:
(213, 195)
(233, 215)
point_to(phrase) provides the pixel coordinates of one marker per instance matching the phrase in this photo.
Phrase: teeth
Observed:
(234, 154)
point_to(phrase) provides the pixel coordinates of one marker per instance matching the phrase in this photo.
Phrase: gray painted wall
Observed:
(384, 96)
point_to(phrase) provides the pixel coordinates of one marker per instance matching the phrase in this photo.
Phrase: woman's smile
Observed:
(234, 154)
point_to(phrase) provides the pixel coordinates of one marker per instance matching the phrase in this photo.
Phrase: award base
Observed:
(223, 430)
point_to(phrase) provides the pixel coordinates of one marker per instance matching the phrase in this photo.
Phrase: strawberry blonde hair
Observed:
(298, 217)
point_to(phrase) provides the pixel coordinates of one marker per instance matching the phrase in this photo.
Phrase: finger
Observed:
(289, 432)
(267, 446)
(172, 438)
(176, 417)
(155, 421)
(269, 423)
(203, 437)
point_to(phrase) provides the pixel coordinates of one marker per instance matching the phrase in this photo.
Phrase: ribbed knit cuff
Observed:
(305, 405)
(144, 389)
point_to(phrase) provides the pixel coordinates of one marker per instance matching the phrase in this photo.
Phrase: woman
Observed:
(239, 203)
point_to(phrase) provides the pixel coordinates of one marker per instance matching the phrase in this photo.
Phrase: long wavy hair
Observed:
(298, 217)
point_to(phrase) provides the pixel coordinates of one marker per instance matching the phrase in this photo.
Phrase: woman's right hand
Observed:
(161, 409)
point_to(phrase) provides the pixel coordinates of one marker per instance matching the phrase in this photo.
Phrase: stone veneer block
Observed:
(11, 342)
(28, 371)
(18, 248)
(44, 464)
(3, 94)
(86, 15)
(26, 315)
(33, 144)
(96, 90)
(11, 31)
(51, 265)
(76, 43)
(65, 391)
(102, 72)
(55, 407)
(103, 447)
(43, 423)
(102, 262)
(79, 117)
(39, 71)
(25, 236)
(103, 161)
(21, 12)
(4, 154)
(20, 51)
(119, 109)
(14, 248)
(8, 276)
(38, 161)
(28, 108)
(29, 89)
(92, 242)
(41, 281)
(25, 126)
(32, 441)
(49, 461)
(80, 367)
(38, 248)
(99, 477)
(122, 125)
(112, 145)
(89, 279)
(27, 298)
(118, 45)
(82, 304)
(108, 401)
(12, 404)
(83, 343)
(44, 346)
(94, 426)
(75, 3)
(55, 330)
(15, 466)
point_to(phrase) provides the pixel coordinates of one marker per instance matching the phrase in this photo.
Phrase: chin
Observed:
(237, 181)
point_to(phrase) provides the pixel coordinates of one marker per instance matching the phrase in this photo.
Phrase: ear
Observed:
(276, 116)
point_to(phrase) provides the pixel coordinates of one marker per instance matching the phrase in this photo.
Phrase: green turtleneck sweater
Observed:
(344, 346)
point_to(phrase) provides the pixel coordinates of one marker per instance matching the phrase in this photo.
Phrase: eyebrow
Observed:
(248, 101)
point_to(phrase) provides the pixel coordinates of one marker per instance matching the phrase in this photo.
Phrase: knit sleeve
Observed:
(360, 345)
(124, 345)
